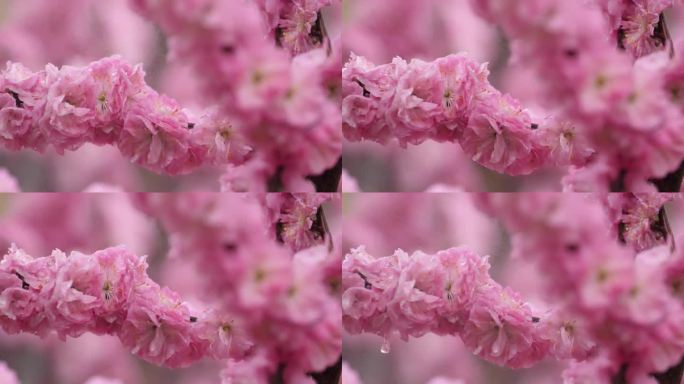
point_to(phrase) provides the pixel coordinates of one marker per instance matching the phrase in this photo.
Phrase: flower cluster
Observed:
(107, 102)
(448, 293)
(280, 289)
(450, 99)
(109, 292)
(286, 107)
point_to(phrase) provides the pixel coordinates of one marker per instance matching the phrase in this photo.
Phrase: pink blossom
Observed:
(501, 329)
(157, 328)
(499, 136)
(296, 214)
(155, 134)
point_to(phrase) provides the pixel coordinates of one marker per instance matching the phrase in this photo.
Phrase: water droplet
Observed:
(385, 348)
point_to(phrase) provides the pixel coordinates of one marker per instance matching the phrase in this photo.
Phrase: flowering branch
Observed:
(451, 100)
(109, 292)
(108, 102)
(448, 293)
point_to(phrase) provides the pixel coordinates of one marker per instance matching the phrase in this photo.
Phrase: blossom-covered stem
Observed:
(448, 293)
(451, 100)
(109, 292)
(108, 103)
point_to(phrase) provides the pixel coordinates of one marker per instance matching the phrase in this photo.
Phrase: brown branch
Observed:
(621, 376)
(672, 376)
(671, 182)
(331, 375)
(329, 180)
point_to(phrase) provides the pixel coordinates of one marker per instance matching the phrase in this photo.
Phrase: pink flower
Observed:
(572, 337)
(115, 81)
(296, 25)
(21, 104)
(70, 304)
(297, 214)
(361, 117)
(415, 106)
(228, 335)
(69, 108)
(265, 76)
(501, 329)
(639, 27)
(158, 328)
(266, 274)
(638, 215)
(156, 135)
(499, 136)
(224, 141)
(567, 143)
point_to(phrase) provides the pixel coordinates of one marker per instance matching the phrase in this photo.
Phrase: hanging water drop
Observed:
(385, 348)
